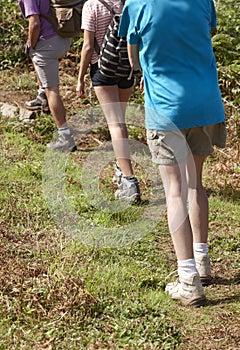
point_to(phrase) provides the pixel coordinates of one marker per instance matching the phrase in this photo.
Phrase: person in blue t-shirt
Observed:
(170, 41)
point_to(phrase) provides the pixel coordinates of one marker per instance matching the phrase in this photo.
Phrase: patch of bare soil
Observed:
(18, 96)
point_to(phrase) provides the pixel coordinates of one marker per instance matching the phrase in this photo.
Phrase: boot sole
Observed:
(206, 280)
(62, 149)
(134, 199)
(35, 109)
(195, 303)
(45, 109)
(74, 149)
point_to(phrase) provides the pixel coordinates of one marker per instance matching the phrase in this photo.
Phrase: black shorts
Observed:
(99, 79)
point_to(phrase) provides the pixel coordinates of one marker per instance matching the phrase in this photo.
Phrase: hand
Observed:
(141, 87)
(27, 48)
(80, 89)
(137, 74)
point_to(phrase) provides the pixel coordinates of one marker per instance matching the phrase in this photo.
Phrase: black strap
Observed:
(74, 3)
(96, 46)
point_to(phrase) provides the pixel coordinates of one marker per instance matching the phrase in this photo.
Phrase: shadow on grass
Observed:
(227, 300)
(226, 192)
(235, 280)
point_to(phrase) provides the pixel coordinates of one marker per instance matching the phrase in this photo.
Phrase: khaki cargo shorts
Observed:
(45, 57)
(174, 146)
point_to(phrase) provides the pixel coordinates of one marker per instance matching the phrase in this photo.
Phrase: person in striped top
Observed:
(112, 93)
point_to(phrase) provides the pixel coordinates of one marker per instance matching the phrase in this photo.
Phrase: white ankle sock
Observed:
(200, 249)
(41, 89)
(132, 177)
(187, 266)
(65, 130)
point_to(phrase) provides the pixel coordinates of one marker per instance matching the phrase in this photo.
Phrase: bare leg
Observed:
(124, 95)
(198, 210)
(112, 99)
(188, 289)
(175, 184)
(56, 105)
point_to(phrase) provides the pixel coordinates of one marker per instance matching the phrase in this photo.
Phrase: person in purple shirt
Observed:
(45, 48)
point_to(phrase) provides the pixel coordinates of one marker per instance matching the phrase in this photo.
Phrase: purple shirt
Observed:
(38, 7)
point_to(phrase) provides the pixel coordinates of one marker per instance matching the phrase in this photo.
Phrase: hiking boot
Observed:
(128, 186)
(203, 267)
(128, 189)
(63, 143)
(40, 103)
(188, 290)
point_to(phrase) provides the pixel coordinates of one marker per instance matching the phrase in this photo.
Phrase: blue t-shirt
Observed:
(177, 59)
(38, 7)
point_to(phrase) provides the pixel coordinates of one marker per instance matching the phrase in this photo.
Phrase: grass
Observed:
(57, 293)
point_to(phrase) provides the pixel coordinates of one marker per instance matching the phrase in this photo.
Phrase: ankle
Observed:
(64, 129)
(187, 266)
(129, 178)
(41, 90)
(200, 249)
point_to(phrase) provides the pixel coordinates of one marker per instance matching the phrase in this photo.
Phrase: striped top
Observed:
(96, 18)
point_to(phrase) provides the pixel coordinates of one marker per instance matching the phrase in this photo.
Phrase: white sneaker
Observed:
(203, 267)
(188, 290)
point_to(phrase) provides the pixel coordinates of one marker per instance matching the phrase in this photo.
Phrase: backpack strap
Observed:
(72, 4)
(108, 7)
(96, 46)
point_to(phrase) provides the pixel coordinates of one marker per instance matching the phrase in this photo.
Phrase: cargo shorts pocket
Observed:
(154, 142)
(166, 146)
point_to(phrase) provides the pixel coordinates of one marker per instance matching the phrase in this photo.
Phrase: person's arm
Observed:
(213, 19)
(86, 55)
(133, 55)
(33, 30)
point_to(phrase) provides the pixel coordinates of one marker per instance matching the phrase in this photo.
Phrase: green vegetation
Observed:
(13, 31)
(58, 293)
(226, 43)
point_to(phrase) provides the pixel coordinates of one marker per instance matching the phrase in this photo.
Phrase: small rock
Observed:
(11, 112)
(25, 114)
(8, 110)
